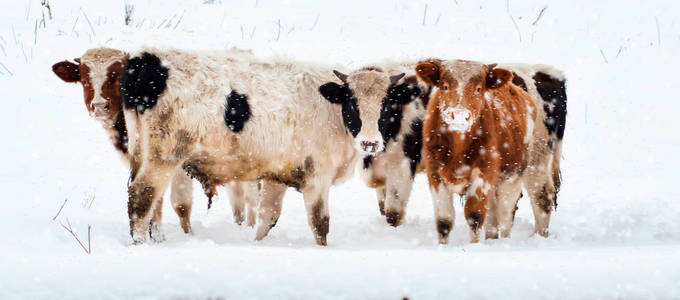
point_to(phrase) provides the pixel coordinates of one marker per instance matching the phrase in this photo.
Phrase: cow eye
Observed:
(479, 89)
(446, 87)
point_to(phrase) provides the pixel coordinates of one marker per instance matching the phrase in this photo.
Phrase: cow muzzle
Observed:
(100, 109)
(370, 146)
(457, 118)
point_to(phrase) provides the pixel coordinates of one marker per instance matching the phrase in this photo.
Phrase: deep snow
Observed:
(615, 234)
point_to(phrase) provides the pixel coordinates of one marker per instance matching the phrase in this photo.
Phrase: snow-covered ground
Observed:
(615, 234)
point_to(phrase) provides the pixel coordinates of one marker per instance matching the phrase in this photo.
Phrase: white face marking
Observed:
(369, 88)
(457, 118)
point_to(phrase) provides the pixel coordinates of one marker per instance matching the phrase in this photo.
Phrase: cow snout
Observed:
(458, 118)
(370, 147)
(101, 109)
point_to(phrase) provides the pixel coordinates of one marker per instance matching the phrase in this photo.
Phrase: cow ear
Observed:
(67, 71)
(403, 94)
(497, 78)
(429, 71)
(334, 92)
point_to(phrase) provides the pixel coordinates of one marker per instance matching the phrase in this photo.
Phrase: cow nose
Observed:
(370, 146)
(100, 105)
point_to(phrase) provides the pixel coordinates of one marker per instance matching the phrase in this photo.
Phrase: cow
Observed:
(99, 71)
(384, 96)
(476, 132)
(388, 171)
(224, 119)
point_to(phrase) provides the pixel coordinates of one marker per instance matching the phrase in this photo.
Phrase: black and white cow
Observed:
(224, 119)
(392, 166)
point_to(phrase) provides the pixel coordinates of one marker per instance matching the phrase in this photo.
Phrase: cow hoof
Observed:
(156, 233)
(393, 218)
(321, 241)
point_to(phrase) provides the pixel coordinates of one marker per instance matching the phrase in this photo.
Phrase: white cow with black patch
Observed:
(224, 119)
(390, 168)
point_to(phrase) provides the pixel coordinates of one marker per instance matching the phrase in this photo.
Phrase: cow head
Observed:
(371, 105)
(98, 71)
(462, 88)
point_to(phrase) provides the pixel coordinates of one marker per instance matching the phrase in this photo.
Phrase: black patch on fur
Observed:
(341, 94)
(519, 81)
(475, 221)
(320, 223)
(444, 227)
(390, 119)
(237, 112)
(121, 143)
(554, 95)
(413, 144)
(142, 82)
(368, 160)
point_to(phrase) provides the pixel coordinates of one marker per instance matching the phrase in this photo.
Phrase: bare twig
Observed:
(252, 33)
(35, 32)
(178, 21)
(315, 20)
(74, 24)
(436, 22)
(425, 14)
(278, 23)
(6, 69)
(60, 208)
(88, 250)
(88, 22)
(540, 14)
(658, 32)
(604, 57)
(516, 28)
(129, 9)
(46, 4)
(619, 52)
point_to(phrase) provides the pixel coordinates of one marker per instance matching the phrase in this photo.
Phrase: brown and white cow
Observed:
(477, 128)
(391, 171)
(99, 71)
(223, 119)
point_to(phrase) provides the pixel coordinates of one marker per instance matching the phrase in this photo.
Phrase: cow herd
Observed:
(257, 126)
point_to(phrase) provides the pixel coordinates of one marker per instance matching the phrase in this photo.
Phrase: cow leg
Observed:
(252, 196)
(269, 210)
(380, 192)
(504, 202)
(237, 200)
(180, 197)
(145, 193)
(398, 190)
(155, 229)
(542, 197)
(444, 213)
(491, 221)
(316, 203)
(476, 206)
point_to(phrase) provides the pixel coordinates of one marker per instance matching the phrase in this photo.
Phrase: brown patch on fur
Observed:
(111, 88)
(184, 214)
(544, 201)
(320, 223)
(139, 202)
(67, 71)
(370, 68)
(296, 178)
(184, 141)
(381, 207)
(197, 169)
(88, 89)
